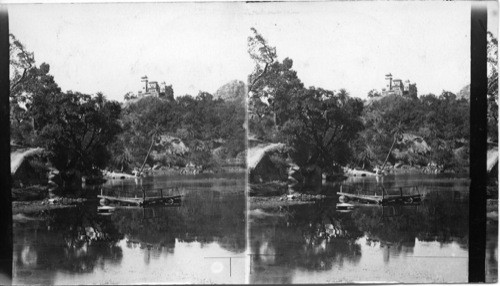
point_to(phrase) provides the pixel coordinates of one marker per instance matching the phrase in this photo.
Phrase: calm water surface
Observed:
(183, 244)
(319, 244)
(192, 243)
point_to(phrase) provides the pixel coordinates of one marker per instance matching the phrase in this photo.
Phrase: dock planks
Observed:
(383, 199)
(141, 201)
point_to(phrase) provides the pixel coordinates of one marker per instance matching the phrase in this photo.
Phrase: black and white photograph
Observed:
(234, 142)
(358, 143)
(128, 144)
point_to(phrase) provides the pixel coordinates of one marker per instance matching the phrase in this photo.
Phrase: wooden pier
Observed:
(382, 197)
(149, 197)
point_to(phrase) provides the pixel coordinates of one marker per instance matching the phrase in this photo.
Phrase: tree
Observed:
(263, 56)
(374, 93)
(129, 95)
(157, 129)
(269, 102)
(321, 126)
(76, 129)
(492, 48)
(397, 133)
(169, 93)
(20, 63)
(26, 81)
(143, 122)
(318, 124)
(412, 91)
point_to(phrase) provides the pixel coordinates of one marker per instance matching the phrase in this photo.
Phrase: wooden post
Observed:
(161, 193)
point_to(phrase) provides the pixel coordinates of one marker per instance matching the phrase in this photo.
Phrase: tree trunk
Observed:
(313, 179)
(147, 155)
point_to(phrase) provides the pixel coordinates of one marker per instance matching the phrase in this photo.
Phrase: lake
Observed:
(204, 240)
(190, 243)
(414, 244)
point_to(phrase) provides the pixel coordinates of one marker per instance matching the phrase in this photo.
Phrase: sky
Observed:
(201, 46)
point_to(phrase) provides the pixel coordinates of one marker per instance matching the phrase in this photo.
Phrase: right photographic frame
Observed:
(372, 142)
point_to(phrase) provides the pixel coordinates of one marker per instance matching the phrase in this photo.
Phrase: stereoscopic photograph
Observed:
(248, 142)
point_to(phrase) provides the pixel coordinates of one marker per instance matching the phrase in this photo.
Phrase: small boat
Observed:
(344, 207)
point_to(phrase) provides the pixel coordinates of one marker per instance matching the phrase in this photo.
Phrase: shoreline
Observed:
(29, 207)
(272, 202)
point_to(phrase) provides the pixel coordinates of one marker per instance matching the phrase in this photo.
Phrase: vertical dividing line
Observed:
(478, 174)
(248, 261)
(5, 176)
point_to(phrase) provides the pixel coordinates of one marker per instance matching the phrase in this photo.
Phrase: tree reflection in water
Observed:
(303, 237)
(318, 238)
(78, 240)
(204, 217)
(72, 240)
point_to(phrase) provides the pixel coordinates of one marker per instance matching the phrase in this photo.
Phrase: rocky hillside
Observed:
(232, 91)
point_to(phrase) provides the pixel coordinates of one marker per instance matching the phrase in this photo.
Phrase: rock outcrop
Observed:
(232, 91)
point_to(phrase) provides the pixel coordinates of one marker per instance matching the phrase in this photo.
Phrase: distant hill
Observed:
(464, 92)
(231, 91)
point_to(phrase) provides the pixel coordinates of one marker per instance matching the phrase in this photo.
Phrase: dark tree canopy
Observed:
(328, 128)
(76, 128)
(318, 124)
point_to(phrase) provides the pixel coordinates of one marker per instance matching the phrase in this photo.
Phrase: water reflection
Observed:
(318, 244)
(135, 245)
(76, 241)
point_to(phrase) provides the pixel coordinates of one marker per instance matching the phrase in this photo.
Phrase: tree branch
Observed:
(258, 77)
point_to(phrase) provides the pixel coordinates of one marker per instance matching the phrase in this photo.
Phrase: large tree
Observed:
(318, 124)
(27, 80)
(270, 86)
(76, 129)
(321, 126)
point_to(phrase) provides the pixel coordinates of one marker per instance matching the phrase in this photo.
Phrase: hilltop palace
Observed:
(398, 87)
(154, 89)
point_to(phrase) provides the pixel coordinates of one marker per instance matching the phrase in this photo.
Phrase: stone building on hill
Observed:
(152, 88)
(399, 87)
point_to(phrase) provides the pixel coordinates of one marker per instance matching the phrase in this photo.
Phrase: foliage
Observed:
(321, 126)
(169, 93)
(203, 123)
(76, 128)
(262, 54)
(37, 84)
(327, 127)
(20, 63)
(492, 48)
(442, 121)
(318, 124)
(374, 93)
(270, 89)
